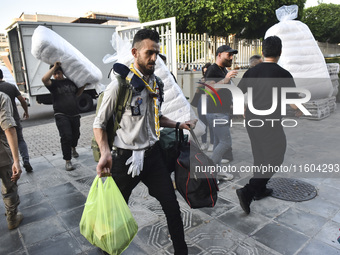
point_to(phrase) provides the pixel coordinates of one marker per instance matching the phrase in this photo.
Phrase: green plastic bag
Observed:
(107, 221)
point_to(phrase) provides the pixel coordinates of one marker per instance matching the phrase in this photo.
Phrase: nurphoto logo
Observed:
(239, 102)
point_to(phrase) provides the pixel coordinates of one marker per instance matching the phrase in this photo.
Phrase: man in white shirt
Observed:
(137, 138)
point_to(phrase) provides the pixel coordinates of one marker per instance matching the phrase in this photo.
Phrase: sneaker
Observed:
(74, 153)
(211, 147)
(14, 221)
(244, 201)
(225, 176)
(266, 193)
(69, 166)
(28, 167)
(224, 161)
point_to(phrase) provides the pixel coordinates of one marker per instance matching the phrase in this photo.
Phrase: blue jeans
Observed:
(205, 122)
(22, 144)
(222, 137)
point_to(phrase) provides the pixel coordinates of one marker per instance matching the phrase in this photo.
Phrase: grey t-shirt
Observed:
(137, 130)
(6, 121)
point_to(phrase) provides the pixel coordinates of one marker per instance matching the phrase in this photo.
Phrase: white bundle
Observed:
(50, 47)
(301, 55)
(175, 105)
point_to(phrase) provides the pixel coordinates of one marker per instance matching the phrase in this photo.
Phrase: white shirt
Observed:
(137, 131)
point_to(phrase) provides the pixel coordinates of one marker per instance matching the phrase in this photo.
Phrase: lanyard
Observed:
(155, 99)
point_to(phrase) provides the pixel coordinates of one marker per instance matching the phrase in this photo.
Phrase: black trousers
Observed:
(156, 177)
(69, 133)
(268, 146)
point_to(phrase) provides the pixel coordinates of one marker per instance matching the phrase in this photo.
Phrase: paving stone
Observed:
(192, 250)
(221, 207)
(68, 202)
(156, 235)
(329, 234)
(41, 166)
(134, 249)
(95, 251)
(83, 243)
(270, 206)
(250, 246)
(215, 237)
(19, 252)
(31, 199)
(2, 209)
(10, 242)
(143, 216)
(41, 230)
(329, 193)
(72, 218)
(337, 217)
(278, 237)
(60, 190)
(61, 244)
(319, 206)
(26, 186)
(318, 247)
(241, 222)
(37, 212)
(3, 223)
(306, 223)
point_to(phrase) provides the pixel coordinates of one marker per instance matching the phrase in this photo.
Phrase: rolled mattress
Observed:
(50, 47)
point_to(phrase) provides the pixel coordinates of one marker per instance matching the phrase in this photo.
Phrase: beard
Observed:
(227, 62)
(146, 68)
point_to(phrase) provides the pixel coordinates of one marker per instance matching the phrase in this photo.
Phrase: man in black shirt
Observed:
(268, 142)
(218, 73)
(12, 91)
(66, 112)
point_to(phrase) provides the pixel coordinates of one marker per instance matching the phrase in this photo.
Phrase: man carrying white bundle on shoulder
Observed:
(66, 112)
(138, 152)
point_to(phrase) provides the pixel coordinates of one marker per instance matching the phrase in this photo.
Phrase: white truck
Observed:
(92, 40)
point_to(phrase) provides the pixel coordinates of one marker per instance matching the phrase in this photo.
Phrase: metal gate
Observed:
(167, 33)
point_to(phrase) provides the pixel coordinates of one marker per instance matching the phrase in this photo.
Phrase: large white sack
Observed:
(175, 105)
(50, 47)
(301, 55)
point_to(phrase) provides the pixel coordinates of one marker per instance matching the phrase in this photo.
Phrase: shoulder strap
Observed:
(160, 87)
(124, 96)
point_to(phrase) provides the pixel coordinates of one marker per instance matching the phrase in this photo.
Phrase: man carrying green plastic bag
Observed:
(107, 221)
(138, 157)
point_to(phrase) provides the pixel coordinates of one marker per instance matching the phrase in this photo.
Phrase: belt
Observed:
(147, 153)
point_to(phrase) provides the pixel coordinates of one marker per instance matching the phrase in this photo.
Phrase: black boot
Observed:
(245, 199)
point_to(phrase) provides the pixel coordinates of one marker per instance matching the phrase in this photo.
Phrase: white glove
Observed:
(137, 161)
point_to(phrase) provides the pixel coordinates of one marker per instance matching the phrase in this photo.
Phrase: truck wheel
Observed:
(85, 102)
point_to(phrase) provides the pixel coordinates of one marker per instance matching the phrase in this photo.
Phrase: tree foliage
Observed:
(324, 22)
(246, 18)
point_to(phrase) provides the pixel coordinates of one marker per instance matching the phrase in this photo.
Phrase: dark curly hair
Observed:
(145, 34)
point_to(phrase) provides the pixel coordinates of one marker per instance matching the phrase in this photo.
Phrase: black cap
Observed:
(225, 48)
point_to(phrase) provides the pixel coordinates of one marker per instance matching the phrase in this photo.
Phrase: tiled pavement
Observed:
(52, 201)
